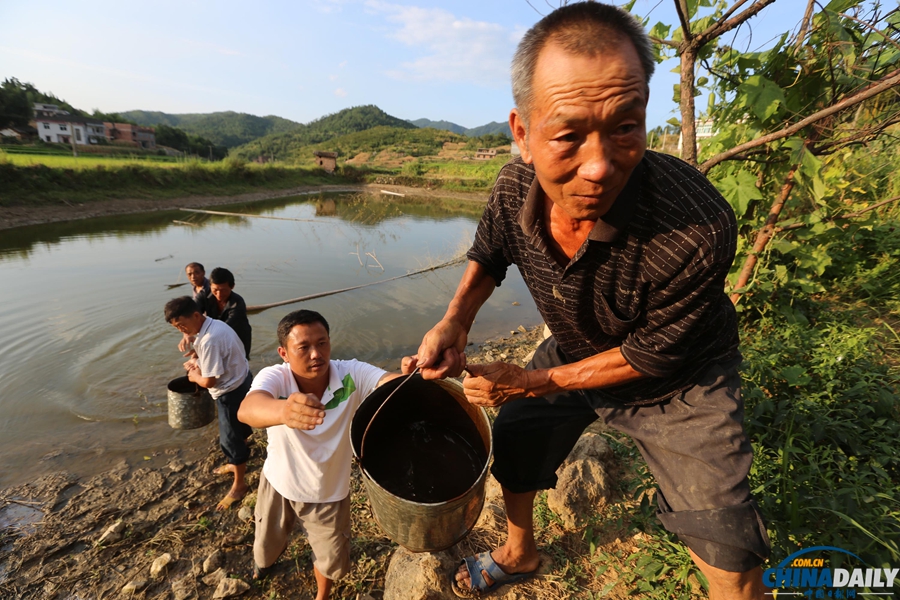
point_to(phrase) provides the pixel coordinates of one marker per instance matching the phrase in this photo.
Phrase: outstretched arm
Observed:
(261, 409)
(497, 383)
(441, 353)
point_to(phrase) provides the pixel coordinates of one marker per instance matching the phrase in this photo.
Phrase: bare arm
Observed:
(195, 376)
(497, 383)
(261, 409)
(441, 353)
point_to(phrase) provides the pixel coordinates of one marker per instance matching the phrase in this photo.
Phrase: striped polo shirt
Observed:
(649, 279)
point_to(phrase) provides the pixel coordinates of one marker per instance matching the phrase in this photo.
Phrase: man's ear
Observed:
(282, 353)
(520, 133)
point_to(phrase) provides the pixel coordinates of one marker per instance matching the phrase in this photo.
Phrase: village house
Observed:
(485, 154)
(326, 160)
(19, 133)
(126, 134)
(58, 126)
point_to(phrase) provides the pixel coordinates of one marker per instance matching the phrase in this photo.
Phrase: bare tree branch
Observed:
(852, 215)
(765, 234)
(682, 9)
(885, 83)
(663, 42)
(721, 27)
(805, 24)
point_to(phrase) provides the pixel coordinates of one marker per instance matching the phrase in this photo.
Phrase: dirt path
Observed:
(18, 216)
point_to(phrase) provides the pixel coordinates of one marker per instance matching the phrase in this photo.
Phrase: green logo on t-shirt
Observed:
(342, 394)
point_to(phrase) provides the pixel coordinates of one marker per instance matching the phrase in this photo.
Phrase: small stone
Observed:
(120, 568)
(513, 332)
(113, 533)
(213, 561)
(230, 587)
(176, 465)
(516, 304)
(161, 562)
(213, 579)
(133, 587)
(245, 514)
(503, 356)
(522, 329)
(233, 539)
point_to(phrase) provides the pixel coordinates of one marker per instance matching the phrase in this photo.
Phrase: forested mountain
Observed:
(492, 127)
(444, 125)
(228, 128)
(350, 120)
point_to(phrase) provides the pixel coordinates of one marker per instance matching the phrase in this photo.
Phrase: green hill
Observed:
(285, 146)
(401, 141)
(444, 125)
(228, 128)
(492, 127)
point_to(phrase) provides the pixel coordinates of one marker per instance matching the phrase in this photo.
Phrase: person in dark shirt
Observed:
(224, 305)
(625, 253)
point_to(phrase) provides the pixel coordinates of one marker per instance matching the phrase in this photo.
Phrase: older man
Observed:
(625, 253)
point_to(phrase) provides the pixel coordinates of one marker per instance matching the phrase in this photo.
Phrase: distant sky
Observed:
(300, 59)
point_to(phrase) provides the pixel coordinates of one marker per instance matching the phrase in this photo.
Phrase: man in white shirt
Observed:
(220, 365)
(307, 404)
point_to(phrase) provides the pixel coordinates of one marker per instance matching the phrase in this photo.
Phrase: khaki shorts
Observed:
(327, 528)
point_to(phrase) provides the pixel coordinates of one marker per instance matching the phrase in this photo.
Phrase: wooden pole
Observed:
(260, 307)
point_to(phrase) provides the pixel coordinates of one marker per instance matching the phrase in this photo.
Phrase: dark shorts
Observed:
(232, 433)
(694, 444)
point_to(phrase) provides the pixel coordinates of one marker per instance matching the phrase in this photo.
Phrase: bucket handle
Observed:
(362, 443)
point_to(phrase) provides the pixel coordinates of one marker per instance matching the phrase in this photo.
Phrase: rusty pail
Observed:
(425, 461)
(190, 406)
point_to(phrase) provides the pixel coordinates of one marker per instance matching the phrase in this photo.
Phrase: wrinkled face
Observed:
(195, 275)
(308, 351)
(586, 130)
(222, 291)
(189, 325)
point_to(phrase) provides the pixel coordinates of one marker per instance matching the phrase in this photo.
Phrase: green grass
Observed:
(35, 180)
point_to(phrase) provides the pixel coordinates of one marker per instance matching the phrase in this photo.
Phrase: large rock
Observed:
(161, 562)
(213, 561)
(215, 578)
(113, 533)
(228, 588)
(419, 576)
(583, 486)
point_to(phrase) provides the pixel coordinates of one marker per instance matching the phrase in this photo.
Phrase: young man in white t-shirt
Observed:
(307, 404)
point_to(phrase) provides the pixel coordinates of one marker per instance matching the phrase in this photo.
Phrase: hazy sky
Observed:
(299, 59)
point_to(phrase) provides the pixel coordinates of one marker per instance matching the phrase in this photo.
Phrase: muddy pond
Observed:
(85, 354)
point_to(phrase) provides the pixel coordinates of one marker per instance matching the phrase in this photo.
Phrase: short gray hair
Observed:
(583, 28)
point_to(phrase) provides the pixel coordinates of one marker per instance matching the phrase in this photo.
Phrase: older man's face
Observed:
(587, 128)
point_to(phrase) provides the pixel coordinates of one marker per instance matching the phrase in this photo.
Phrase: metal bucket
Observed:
(190, 406)
(423, 526)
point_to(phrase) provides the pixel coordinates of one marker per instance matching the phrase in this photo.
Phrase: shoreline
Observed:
(23, 215)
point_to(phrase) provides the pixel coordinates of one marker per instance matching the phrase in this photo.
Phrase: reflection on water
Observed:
(85, 354)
